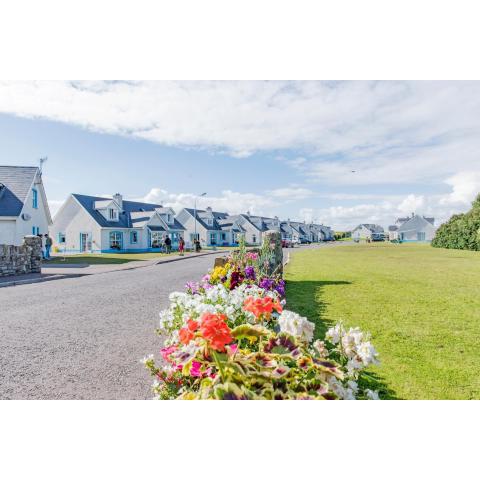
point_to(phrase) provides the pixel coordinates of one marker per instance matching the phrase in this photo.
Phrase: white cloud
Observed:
(229, 201)
(387, 132)
(465, 186)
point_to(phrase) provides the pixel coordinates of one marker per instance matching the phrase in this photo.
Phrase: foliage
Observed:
(461, 231)
(231, 339)
(421, 304)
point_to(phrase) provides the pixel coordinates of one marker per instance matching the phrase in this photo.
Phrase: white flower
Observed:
(367, 353)
(352, 386)
(294, 324)
(372, 394)
(334, 334)
(321, 348)
(147, 359)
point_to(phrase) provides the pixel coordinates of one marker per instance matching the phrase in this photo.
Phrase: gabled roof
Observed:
(415, 223)
(202, 216)
(17, 182)
(373, 227)
(124, 219)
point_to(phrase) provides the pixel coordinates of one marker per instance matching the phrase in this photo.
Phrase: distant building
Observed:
(23, 204)
(368, 231)
(413, 229)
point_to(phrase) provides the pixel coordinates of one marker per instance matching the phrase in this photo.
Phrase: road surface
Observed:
(83, 338)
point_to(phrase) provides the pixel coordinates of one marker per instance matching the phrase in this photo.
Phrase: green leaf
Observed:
(250, 332)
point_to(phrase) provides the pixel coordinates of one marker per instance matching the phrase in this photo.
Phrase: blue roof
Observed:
(124, 221)
(16, 182)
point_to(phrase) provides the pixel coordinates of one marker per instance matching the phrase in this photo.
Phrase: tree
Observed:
(462, 231)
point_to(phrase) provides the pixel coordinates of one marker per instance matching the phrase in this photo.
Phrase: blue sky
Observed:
(337, 152)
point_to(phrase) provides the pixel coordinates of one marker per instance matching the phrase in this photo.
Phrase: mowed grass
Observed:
(421, 305)
(103, 258)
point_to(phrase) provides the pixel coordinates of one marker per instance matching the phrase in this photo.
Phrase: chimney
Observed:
(209, 209)
(119, 199)
(413, 214)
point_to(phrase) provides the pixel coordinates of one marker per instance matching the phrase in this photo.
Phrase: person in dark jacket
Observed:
(168, 244)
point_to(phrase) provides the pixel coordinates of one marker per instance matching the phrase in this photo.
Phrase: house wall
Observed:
(39, 217)
(8, 229)
(361, 233)
(72, 220)
(412, 235)
(253, 236)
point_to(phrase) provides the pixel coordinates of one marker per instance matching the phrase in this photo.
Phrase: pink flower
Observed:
(195, 369)
(232, 349)
(165, 352)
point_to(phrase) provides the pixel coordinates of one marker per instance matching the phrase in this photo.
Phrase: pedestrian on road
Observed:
(181, 246)
(197, 245)
(48, 246)
(168, 244)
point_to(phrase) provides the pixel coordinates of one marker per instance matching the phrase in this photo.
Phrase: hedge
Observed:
(462, 231)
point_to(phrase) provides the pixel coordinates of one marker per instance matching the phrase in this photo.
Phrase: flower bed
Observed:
(231, 337)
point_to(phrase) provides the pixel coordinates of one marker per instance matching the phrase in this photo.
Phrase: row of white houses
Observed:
(103, 225)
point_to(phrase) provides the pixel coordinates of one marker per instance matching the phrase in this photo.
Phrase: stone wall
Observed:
(18, 260)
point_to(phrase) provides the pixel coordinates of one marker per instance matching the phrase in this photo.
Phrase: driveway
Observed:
(84, 337)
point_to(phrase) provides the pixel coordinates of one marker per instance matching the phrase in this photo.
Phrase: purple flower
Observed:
(250, 273)
(192, 287)
(266, 283)
(280, 288)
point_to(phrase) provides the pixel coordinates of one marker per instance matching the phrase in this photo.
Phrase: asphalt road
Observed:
(83, 338)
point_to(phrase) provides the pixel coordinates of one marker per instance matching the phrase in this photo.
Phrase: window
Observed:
(61, 238)
(421, 236)
(112, 214)
(209, 221)
(34, 198)
(134, 237)
(116, 241)
(213, 239)
(192, 236)
(224, 237)
(35, 230)
(156, 240)
(254, 238)
(169, 218)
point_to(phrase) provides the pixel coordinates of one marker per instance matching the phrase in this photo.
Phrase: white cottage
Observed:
(86, 224)
(23, 204)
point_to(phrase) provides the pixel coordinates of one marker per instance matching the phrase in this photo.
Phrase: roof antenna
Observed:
(42, 161)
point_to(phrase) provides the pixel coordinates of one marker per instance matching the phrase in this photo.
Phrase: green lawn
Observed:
(104, 258)
(421, 305)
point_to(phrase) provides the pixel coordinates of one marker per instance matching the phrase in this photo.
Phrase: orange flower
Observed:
(187, 333)
(215, 330)
(262, 306)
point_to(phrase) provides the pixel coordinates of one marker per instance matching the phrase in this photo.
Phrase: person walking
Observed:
(181, 246)
(48, 246)
(168, 244)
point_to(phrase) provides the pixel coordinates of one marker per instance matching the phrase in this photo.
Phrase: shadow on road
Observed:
(306, 298)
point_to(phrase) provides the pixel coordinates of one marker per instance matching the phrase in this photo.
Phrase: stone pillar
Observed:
(273, 239)
(33, 246)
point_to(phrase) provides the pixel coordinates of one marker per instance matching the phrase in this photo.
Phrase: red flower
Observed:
(215, 330)
(261, 306)
(187, 333)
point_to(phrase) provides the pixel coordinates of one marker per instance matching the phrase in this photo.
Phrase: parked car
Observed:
(287, 244)
(305, 241)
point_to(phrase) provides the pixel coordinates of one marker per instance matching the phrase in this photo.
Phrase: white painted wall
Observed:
(8, 229)
(72, 219)
(38, 216)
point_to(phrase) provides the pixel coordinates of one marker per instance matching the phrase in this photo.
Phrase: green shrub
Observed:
(461, 231)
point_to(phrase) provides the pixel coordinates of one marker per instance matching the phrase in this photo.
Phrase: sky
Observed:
(338, 153)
